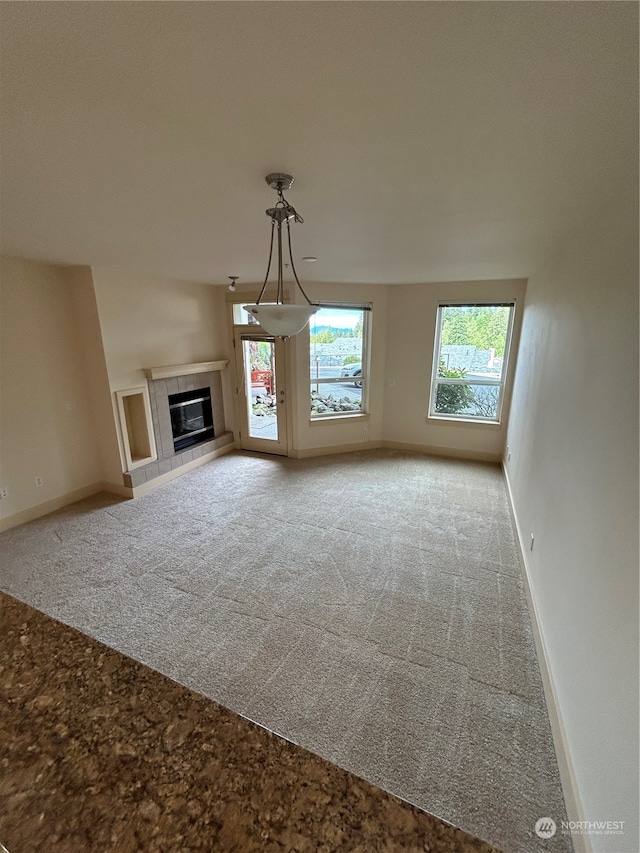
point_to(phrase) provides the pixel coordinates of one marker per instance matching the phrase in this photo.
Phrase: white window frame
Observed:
(500, 383)
(365, 362)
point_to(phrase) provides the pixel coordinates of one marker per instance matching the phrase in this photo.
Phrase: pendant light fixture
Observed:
(281, 320)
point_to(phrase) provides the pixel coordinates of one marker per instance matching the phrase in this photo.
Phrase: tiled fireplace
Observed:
(176, 387)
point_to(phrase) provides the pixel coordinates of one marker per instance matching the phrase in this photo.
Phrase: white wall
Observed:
(42, 373)
(151, 322)
(573, 473)
(411, 327)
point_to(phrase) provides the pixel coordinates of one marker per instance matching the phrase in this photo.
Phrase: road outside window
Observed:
(338, 376)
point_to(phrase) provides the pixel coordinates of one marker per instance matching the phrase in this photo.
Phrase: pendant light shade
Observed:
(281, 320)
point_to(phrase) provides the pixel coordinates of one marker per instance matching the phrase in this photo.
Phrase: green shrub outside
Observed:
(452, 399)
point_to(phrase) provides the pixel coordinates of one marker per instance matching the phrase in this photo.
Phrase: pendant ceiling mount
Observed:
(280, 181)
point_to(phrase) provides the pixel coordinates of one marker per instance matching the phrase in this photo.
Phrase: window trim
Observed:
(500, 383)
(367, 312)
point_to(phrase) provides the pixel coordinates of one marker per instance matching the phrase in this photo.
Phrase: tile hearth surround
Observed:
(168, 459)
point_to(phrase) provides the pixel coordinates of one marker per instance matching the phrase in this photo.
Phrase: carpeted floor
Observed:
(367, 606)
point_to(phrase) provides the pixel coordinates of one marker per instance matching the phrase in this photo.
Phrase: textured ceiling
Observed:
(429, 141)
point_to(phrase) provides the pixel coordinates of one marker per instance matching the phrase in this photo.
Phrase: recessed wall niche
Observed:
(136, 427)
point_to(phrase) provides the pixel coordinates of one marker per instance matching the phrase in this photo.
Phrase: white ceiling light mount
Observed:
(282, 320)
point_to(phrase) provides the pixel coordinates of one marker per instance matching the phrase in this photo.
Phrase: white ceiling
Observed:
(429, 141)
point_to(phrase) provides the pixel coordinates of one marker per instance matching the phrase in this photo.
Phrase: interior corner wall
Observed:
(411, 330)
(95, 369)
(573, 476)
(149, 321)
(46, 428)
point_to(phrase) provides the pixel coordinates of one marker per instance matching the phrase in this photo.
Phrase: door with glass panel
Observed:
(262, 399)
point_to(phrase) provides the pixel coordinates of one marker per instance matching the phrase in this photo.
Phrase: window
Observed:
(470, 362)
(338, 361)
(242, 317)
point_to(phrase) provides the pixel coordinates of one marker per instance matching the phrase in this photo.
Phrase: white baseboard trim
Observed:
(34, 512)
(145, 488)
(448, 452)
(575, 811)
(37, 511)
(116, 489)
(310, 452)
(427, 449)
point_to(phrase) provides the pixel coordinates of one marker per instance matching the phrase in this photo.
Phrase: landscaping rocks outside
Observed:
(327, 404)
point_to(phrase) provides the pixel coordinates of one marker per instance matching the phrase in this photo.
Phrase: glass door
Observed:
(261, 392)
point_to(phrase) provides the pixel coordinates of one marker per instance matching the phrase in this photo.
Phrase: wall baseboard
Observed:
(34, 512)
(37, 511)
(310, 452)
(426, 449)
(448, 452)
(116, 489)
(573, 803)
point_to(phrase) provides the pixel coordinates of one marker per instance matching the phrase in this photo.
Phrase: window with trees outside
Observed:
(470, 362)
(338, 361)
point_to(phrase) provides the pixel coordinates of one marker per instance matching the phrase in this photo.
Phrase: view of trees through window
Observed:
(482, 326)
(337, 361)
(472, 344)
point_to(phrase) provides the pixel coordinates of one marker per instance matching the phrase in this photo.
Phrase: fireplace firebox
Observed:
(191, 418)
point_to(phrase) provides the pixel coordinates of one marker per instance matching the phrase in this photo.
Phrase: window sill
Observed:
(345, 416)
(464, 421)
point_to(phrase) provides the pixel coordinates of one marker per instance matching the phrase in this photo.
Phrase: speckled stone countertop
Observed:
(100, 753)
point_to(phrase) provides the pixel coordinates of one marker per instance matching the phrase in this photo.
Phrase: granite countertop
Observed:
(100, 753)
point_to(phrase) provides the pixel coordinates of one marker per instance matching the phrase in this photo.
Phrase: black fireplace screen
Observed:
(191, 417)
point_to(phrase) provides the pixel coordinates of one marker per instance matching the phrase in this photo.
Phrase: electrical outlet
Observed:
(71, 404)
(38, 481)
(391, 382)
(365, 432)
(4, 493)
(508, 453)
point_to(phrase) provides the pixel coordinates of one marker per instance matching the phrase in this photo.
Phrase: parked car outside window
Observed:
(354, 370)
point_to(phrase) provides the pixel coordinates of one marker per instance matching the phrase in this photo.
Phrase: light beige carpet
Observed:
(366, 606)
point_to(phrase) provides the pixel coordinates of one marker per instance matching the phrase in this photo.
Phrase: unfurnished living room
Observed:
(319, 527)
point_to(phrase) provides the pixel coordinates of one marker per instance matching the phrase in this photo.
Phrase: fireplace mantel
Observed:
(170, 370)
